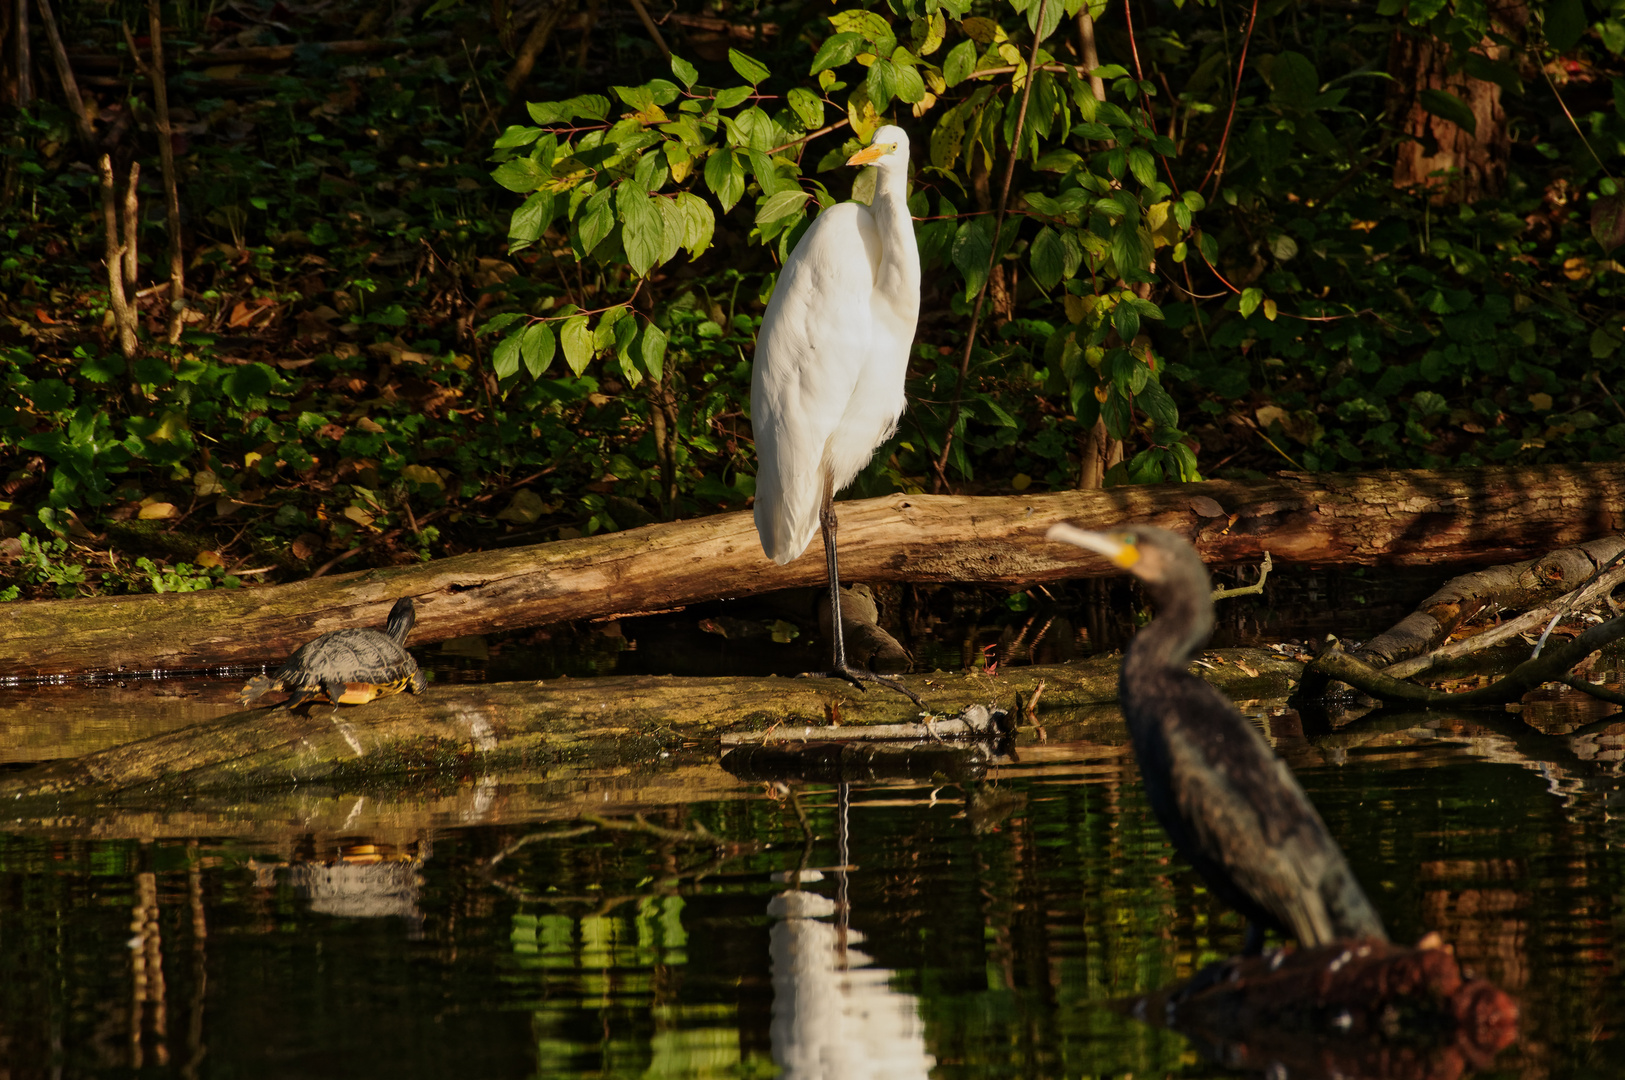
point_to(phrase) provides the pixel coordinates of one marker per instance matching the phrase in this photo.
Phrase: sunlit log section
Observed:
(1392, 519)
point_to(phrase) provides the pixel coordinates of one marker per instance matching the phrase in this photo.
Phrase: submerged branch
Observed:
(1549, 667)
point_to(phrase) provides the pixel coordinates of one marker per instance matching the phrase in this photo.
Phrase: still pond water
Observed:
(572, 923)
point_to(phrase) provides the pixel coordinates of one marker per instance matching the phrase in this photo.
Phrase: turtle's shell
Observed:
(347, 667)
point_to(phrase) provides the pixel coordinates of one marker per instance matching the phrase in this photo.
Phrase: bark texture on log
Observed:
(1513, 586)
(454, 729)
(1398, 519)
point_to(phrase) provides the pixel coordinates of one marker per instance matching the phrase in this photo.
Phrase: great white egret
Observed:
(827, 385)
(1227, 802)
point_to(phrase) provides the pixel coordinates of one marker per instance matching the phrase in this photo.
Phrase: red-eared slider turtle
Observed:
(347, 667)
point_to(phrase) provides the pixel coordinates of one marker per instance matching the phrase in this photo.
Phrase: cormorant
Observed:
(1229, 804)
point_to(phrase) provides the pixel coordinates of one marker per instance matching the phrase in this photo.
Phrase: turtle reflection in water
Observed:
(347, 667)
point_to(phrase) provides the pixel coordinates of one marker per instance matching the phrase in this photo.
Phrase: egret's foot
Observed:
(857, 677)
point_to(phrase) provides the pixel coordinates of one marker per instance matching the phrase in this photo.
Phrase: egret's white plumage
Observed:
(827, 384)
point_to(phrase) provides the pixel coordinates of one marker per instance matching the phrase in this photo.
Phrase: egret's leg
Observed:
(841, 669)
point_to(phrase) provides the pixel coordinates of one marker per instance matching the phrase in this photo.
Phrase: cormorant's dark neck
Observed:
(1183, 623)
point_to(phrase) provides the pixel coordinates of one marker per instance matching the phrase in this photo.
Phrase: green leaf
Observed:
(959, 63)
(1051, 13)
(1608, 222)
(1142, 165)
(1251, 297)
(727, 99)
(642, 228)
(752, 71)
(972, 249)
(626, 331)
(1565, 23)
(652, 351)
(673, 228)
(1447, 106)
(881, 83)
(807, 107)
(684, 71)
(505, 358)
(517, 136)
(1293, 81)
(870, 24)
(594, 106)
(910, 87)
(596, 221)
(536, 347)
(603, 336)
(725, 176)
(781, 205)
(520, 174)
(530, 220)
(837, 50)
(767, 175)
(577, 342)
(701, 223)
(1048, 257)
(1126, 321)
(499, 322)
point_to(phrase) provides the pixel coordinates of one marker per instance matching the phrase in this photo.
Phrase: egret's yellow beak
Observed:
(871, 154)
(1120, 548)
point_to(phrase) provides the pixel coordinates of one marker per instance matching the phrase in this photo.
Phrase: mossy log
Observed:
(459, 729)
(1399, 518)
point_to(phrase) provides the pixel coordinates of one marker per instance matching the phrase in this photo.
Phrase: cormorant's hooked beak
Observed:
(1120, 548)
(871, 154)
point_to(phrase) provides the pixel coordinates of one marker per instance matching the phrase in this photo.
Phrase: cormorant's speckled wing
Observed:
(1249, 816)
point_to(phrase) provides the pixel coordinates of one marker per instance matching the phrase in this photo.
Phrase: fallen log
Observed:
(1514, 586)
(1395, 519)
(458, 729)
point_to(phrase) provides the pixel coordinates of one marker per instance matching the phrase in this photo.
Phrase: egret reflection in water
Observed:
(834, 1016)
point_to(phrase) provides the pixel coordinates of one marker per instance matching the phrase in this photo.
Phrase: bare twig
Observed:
(166, 158)
(1550, 667)
(1249, 590)
(698, 835)
(64, 71)
(25, 62)
(540, 32)
(531, 838)
(1235, 93)
(941, 465)
(654, 31)
(1088, 53)
(120, 257)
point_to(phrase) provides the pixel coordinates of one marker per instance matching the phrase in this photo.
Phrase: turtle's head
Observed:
(401, 618)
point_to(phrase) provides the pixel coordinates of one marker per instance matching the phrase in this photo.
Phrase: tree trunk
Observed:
(1475, 162)
(1415, 518)
(623, 720)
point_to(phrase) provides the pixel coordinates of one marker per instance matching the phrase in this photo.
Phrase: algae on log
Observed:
(454, 729)
(1399, 518)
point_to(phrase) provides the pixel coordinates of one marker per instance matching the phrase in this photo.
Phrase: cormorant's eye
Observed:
(1130, 539)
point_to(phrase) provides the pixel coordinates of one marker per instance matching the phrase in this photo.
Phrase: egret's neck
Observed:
(899, 277)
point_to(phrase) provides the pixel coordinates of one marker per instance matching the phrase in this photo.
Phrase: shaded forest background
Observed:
(415, 278)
